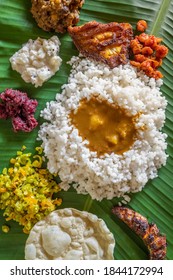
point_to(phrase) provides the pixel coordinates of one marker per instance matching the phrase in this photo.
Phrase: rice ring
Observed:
(110, 175)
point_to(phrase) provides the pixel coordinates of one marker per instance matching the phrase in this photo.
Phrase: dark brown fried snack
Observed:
(150, 234)
(108, 43)
(56, 15)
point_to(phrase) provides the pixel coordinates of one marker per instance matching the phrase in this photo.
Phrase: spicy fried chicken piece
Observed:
(108, 43)
(56, 15)
(150, 234)
(141, 25)
(147, 52)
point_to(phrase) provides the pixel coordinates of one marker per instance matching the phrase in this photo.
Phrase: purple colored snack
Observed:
(16, 105)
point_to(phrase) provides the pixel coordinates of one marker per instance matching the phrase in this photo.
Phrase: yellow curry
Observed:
(107, 127)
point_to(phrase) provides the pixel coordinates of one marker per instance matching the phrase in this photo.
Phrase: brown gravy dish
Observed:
(106, 126)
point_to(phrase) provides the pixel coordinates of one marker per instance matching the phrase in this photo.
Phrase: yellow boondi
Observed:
(106, 126)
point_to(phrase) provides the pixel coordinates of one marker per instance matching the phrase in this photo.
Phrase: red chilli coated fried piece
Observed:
(141, 25)
(108, 43)
(147, 53)
(150, 234)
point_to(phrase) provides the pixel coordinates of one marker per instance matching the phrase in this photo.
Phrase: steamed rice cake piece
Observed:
(70, 234)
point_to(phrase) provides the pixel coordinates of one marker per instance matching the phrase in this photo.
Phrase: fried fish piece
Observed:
(108, 43)
(149, 232)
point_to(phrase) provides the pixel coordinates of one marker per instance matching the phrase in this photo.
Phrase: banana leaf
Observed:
(155, 201)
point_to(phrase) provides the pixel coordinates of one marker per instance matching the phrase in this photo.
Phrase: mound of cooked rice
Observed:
(110, 175)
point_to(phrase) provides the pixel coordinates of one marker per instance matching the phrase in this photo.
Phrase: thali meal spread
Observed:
(149, 232)
(102, 134)
(70, 234)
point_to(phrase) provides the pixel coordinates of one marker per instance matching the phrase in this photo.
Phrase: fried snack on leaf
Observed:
(141, 25)
(147, 52)
(108, 43)
(56, 15)
(150, 234)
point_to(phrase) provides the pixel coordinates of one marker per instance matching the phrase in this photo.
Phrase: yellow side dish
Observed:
(26, 190)
(106, 126)
(5, 228)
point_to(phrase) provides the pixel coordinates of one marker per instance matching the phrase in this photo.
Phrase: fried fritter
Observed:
(56, 15)
(147, 52)
(108, 43)
(141, 25)
(150, 234)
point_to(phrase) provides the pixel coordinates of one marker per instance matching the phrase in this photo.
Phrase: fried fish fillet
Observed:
(150, 234)
(108, 43)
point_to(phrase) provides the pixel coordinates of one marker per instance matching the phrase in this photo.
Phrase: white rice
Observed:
(110, 175)
(38, 60)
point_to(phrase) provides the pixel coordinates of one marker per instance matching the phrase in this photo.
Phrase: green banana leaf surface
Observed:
(155, 201)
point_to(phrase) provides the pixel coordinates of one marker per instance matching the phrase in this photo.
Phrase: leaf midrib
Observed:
(157, 23)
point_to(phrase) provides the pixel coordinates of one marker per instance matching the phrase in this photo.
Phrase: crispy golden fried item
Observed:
(150, 234)
(56, 15)
(108, 43)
